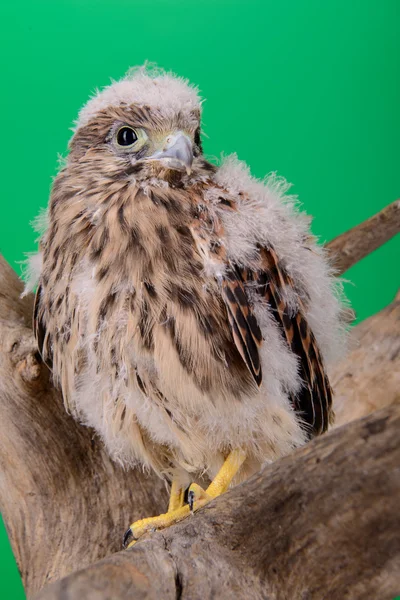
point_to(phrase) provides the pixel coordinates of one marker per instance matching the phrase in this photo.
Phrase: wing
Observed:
(314, 400)
(245, 329)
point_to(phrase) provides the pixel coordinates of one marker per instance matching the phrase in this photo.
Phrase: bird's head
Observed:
(147, 125)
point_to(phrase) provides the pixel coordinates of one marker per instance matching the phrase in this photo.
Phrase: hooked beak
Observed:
(177, 153)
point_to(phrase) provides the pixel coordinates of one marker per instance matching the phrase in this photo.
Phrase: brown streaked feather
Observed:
(245, 329)
(207, 233)
(314, 400)
(39, 331)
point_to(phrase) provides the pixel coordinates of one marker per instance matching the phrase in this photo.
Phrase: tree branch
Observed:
(310, 525)
(368, 377)
(349, 248)
(65, 504)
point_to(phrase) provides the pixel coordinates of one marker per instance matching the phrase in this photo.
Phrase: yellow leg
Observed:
(176, 497)
(227, 472)
(221, 481)
(197, 496)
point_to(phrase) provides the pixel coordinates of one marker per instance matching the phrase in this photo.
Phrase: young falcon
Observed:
(184, 309)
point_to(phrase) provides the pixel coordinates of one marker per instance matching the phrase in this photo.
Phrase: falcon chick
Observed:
(185, 310)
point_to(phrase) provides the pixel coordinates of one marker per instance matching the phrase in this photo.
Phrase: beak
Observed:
(177, 153)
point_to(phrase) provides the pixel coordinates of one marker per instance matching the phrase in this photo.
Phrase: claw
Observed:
(191, 497)
(128, 538)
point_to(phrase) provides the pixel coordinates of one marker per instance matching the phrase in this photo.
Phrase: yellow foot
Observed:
(139, 528)
(197, 497)
(176, 512)
(196, 494)
(221, 481)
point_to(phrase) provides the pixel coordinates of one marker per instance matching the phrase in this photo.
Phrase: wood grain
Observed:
(321, 523)
(368, 378)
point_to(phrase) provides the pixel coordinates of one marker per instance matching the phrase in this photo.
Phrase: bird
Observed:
(184, 308)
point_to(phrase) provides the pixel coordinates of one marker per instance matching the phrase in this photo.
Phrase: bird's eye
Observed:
(126, 136)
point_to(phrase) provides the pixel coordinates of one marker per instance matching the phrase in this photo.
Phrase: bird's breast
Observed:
(154, 279)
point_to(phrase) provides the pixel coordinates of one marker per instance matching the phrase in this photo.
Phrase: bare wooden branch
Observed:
(351, 247)
(65, 504)
(313, 525)
(368, 378)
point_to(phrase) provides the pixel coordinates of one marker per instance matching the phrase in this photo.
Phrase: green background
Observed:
(306, 88)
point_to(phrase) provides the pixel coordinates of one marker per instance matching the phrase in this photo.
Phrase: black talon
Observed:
(128, 537)
(191, 500)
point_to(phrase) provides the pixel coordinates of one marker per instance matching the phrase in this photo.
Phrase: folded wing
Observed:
(314, 400)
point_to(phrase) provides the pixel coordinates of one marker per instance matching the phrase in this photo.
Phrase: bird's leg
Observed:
(177, 495)
(221, 481)
(197, 498)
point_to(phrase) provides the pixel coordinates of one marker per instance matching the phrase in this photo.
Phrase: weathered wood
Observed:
(65, 504)
(321, 523)
(352, 246)
(368, 378)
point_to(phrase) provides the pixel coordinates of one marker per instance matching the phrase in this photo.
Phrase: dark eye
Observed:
(126, 136)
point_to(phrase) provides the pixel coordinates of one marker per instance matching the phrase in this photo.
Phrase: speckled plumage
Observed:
(182, 315)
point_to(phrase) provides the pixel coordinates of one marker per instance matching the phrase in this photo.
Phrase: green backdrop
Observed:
(306, 88)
